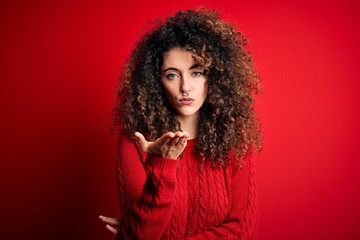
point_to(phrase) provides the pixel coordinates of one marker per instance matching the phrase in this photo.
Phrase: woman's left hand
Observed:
(112, 223)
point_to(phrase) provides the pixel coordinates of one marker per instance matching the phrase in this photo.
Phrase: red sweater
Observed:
(162, 198)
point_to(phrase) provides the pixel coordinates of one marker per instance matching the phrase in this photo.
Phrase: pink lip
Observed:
(186, 101)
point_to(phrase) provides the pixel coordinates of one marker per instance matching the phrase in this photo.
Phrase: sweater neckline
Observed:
(191, 142)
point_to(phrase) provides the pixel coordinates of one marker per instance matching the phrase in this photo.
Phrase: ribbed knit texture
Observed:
(162, 198)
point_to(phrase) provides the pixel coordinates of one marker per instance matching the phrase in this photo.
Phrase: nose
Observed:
(185, 84)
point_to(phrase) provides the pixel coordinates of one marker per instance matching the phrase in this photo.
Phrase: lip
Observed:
(186, 101)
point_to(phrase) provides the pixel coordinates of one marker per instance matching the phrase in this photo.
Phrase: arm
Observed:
(146, 184)
(242, 220)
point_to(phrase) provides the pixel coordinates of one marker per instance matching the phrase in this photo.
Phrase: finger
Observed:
(164, 139)
(179, 134)
(183, 136)
(174, 141)
(186, 134)
(183, 140)
(109, 220)
(111, 229)
(141, 140)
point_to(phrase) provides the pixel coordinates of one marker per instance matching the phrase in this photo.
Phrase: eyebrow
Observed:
(196, 65)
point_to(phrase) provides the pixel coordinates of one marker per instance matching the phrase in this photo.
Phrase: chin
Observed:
(187, 113)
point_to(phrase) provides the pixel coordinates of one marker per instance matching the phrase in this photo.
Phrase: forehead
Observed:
(178, 58)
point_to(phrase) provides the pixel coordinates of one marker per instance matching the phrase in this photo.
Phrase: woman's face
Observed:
(184, 82)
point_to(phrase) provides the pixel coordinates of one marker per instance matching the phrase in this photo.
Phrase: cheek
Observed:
(171, 88)
(169, 92)
(205, 89)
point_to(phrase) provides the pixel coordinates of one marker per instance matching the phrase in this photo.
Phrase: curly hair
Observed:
(227, 121)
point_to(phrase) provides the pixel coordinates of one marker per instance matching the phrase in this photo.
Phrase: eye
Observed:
(197, 74)
(171, 76)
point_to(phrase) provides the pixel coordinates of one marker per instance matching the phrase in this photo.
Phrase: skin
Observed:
(180, 75)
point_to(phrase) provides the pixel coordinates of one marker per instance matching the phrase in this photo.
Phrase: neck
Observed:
(189, 124)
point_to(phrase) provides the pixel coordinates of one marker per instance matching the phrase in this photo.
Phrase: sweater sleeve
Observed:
(146, 190)
(242, 221)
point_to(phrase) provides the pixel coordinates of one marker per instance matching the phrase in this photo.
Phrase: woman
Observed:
(187, 130)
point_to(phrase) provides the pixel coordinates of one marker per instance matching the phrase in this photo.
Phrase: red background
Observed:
(59, 66)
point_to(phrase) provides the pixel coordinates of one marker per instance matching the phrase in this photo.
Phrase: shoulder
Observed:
(239, 164)
(124, 138)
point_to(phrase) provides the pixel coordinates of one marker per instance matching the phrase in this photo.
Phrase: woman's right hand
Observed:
(169, 145)
(111, 223)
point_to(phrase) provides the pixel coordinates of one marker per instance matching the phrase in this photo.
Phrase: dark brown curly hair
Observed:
(227, 119)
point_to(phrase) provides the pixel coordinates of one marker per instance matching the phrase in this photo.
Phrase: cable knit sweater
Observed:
(162, 198)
